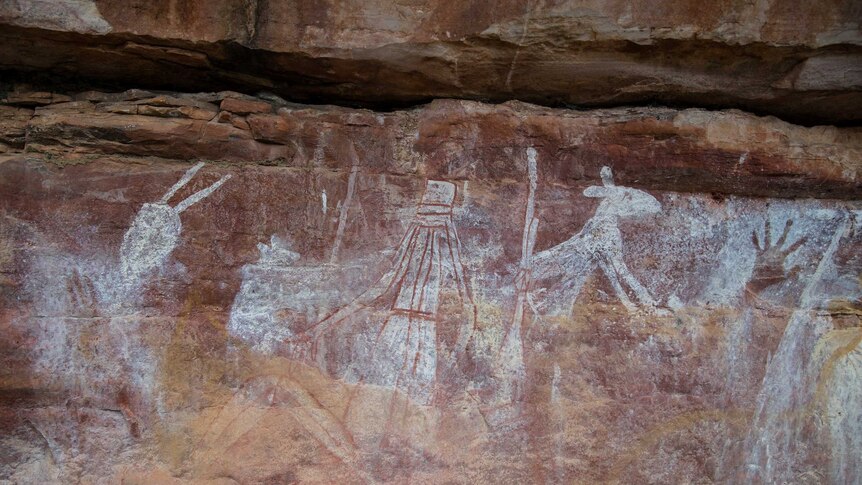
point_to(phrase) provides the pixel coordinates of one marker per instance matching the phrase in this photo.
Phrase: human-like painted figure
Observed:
(390, 335)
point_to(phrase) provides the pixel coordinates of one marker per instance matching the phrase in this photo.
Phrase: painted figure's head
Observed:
(621, 201)
(149, 241)
(439, 197)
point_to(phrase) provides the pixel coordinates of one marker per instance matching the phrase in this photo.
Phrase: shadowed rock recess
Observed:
(248, 241)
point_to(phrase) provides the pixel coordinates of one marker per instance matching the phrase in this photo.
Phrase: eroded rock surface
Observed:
(799, 61)
(219, 288)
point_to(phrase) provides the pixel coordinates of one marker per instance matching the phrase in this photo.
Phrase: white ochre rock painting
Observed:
(107, 286)
(598, 245)
(439, 313)
(790, 382)
(155, 231)
(105, 294)
(400, 348)
(388, 335)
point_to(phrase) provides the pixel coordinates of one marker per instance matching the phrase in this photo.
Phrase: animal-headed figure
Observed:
(155, 232)
(598, 245)
(108, 289)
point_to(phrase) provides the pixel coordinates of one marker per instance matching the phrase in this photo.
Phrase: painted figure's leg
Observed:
(639, 290)
(561, 297)
(618, 288)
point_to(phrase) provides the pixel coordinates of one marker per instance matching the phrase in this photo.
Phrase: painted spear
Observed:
(512, 351)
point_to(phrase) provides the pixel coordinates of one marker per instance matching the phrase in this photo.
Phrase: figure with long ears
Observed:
(155, 231)
(392, 332)
(109, 289)
(147, 244)
(597, 245)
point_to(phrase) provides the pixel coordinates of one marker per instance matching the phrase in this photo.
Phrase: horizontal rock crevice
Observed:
(800, 84)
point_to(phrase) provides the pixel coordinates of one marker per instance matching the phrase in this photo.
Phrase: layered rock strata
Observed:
(799, 61)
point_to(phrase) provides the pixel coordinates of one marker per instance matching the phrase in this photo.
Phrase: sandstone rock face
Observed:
(390, 241)
(213, 287)
(799, 61)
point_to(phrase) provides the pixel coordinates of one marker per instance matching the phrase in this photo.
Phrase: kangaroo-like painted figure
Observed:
(598, 245)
